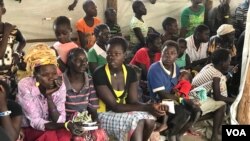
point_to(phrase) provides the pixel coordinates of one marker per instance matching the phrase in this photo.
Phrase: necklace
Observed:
(115, 75)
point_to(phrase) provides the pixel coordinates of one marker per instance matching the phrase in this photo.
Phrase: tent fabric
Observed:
(35, 18)
(245, 82)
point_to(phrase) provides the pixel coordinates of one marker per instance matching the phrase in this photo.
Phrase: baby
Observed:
(184, 85)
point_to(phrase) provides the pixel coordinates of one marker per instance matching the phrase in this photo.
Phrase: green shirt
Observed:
(181, 62)
(97, 55)
(191, 19)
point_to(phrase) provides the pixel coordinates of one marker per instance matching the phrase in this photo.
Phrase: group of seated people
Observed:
(123, 95)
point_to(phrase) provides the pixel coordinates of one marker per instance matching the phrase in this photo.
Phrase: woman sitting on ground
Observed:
(42, 97)
(81, 95)
(121, 115)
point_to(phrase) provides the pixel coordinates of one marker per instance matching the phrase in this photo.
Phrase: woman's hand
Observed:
(76, 128)
(57, 85)
(158, 109)
(233, 69)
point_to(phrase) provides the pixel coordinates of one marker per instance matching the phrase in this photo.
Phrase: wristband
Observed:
(181, 100)
(66, 125)
(6, 113)
(230, 74)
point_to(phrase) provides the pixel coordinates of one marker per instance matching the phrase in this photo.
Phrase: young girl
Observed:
(81, 95)
(183, 60)
(62, 29)
(121, 115)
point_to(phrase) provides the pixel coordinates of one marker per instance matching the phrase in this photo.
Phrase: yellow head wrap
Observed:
(38, 55)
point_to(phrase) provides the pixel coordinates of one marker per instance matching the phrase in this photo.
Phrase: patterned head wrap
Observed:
(38, 55)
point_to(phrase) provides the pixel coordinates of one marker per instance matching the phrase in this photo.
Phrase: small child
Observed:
(111, 21)
(184, 85)
(12, 43)
(183, 60)
(85, 26)
(62, 29)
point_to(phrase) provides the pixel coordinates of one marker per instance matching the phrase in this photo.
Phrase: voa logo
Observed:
(236, 132)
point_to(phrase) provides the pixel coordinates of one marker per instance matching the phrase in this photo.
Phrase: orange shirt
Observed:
(87, 30)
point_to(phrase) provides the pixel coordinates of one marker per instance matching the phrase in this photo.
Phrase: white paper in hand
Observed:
(170, 104)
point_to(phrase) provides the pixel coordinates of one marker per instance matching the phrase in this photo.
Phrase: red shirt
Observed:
(184, 87)
(142, 57)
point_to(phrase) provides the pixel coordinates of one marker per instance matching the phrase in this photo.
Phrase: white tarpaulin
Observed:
(35, 17)
(245, 67)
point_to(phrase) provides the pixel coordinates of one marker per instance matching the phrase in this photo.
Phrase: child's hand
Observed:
(174, 90)
(196, 102)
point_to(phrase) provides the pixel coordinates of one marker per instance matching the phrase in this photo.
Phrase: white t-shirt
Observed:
(192, 51)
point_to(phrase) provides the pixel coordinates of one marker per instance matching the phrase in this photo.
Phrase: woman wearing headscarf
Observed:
(42, 97)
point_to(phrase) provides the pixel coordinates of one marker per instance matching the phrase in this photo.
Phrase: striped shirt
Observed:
(241, 15)
(115, 30)
(205, 78)
(79, 101)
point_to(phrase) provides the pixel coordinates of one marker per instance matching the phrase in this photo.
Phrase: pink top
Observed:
(34, 104)
(142, 57)
(63, 49)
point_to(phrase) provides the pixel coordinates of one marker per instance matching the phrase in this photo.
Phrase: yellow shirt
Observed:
(120, 95)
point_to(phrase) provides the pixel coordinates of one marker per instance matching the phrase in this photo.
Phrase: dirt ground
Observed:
(203, 127)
